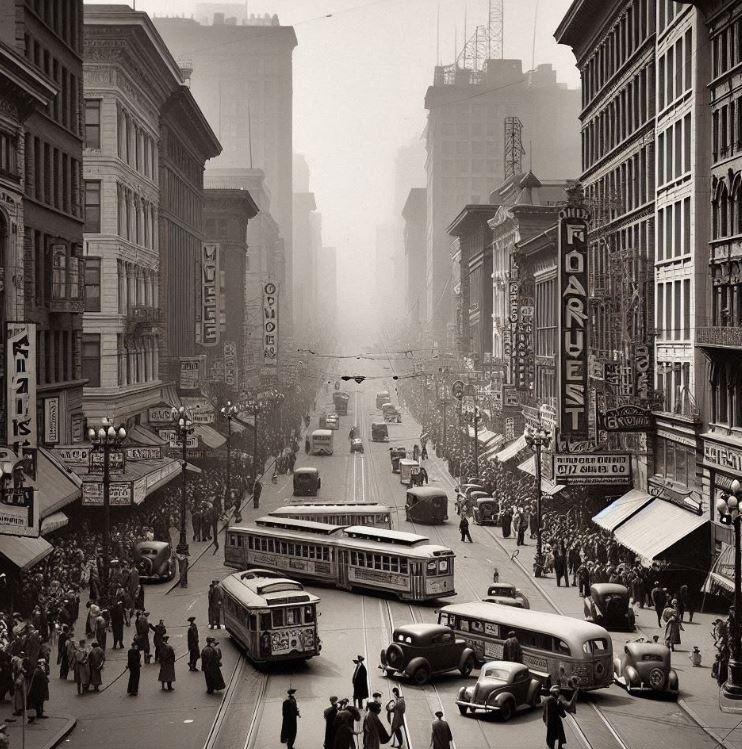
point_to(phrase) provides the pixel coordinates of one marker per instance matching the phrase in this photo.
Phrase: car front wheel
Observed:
(462, 709)
(421, 676)
(468, 666)
(507, 710)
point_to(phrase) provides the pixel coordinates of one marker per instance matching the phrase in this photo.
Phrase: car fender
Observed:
(464, 694)
(498, 699)
(534, 689)
(630, 617)
(416, 663)
(672, 681)
(631, 675)
(465, 655)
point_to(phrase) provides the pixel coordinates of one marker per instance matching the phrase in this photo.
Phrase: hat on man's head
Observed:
(554, 688)
(191, 618)
(291, 691)
(438, 713)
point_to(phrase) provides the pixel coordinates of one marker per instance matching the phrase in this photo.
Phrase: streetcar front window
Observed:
(431, 567)
(443, 566)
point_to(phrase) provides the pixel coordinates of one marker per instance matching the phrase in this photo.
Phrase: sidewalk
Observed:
(699, 693)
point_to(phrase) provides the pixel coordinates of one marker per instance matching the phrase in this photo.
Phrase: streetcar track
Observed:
(216, 726)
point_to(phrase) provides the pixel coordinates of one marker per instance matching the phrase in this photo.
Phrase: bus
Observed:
(558, 649)
(337, 513)
(340, 402)
(272, 618)
(379, 432)
(401, 564)
(319, 442)
(382, 397)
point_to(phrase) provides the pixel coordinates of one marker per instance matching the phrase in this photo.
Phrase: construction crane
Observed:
(486, 43)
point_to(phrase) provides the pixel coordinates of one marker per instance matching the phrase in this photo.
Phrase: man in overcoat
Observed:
(290, 715)
(360, 682)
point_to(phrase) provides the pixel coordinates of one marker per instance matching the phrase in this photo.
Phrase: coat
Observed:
(360, 683)
(167, 663)
(398, 711)
(211, 661)
(672, 630)
(82, 667)
(290, 715)
(374, 732)
(193, 638)
(96, 659)
(554, 710)
(38, 690)
(345, 728)
(330, 715)
(441, 736)
(512, 651)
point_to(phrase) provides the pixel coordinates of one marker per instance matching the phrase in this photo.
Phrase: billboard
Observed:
(18, 514)
(573, 323)
(210, 311)
(270, 324)
(592, 468)
(21, 385)
(230, 364)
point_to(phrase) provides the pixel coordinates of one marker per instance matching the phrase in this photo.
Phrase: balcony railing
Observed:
(719, 336)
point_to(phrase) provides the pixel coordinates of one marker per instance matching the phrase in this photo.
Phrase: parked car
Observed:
(485, 511)
(307, 482)
(516, 603)
(502, 688)
(645, 667)
(466, 502)
(356, 445)
(508, 590)
(420, 651)
(608, 605)
(154, 560)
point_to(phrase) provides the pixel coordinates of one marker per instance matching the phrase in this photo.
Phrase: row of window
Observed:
(53, 176)
(137, 287)
(53, 265)
(726, 48)
(180, 197)
(55, 355)
(546, 317)
(675, 71)
(62, 18)
(675, 461)
(621, 118)
(727, 297)
(666, 12)
(726, 209)
(673, 304)
(633, 28)
(726, 129)
(674, 151)
(136, 218)
(286, 548)
(135, 144)
(137, 361)
(674, 230)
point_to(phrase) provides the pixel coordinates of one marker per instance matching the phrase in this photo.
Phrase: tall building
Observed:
(414, 215)
(466, 151)
(242, 80)
(327, 296)
(306, 223)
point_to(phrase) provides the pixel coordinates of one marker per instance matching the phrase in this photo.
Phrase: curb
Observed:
(717, 737)
(71, 722)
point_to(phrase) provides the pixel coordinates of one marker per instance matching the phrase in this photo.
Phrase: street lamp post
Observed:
(183, 429)
(229, 412)
(538, 439)
(104, 439)
(728, 507)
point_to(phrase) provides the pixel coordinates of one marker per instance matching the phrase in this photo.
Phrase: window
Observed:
(92, 207)
(686, 227)
(686, 143)
(91, 359)
(688, 59)
(92, 123)
(686, 308)
(92, 284)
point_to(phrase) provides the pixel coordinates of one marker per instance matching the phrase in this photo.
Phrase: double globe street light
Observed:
(183, 427)
(538, 439)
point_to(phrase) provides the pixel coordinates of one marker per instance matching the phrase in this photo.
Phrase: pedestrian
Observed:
(374, 732)
(506, 520)
(257, 490)
(330, 714)
(521, 528)
(82, 668)
(424, 454)
(196, 522)
(160, 630)
(375, 697)
(290, 714)
(117, 623)
(672, 628)
(360, 682)
(142, 627)
(658, 601)
(441, 736)
(211, 662)
(38, 690)
(215, 605)
(183, 565)
(194, 651)
(62, 657)
(555, 708)
(96, 659)
(560, 567)
(683, 602)
(395, 714)
(134, 665)
(423, 475)
(464, 529)
(511, 649)
(167, 664)
(344, 726)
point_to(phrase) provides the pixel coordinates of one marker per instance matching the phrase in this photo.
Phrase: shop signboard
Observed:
(270, 324)
(143, 453)
(509, 396)
(73, 455)
(51, 421)
(626, 419)
(190, 372)
(723, 457)
(160, 415)
(210, 294)
(172, 439)
(139, 490)
(592, 468)
(573, 323)
(19, 515)
(20, 368)
(642, 364)
(119, 494)
(116, 461)
(509, 428)
(230, 364)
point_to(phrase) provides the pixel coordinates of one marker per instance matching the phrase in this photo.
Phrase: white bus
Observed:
(320, 442)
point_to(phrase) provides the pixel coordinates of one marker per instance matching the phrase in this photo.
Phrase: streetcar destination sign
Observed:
(592, 468)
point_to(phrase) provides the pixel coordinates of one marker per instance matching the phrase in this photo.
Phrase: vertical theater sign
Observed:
(21, 385)
(210, 311)
(270, 324)
(573, 324)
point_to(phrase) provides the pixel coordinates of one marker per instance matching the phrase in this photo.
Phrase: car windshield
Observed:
(497, 673)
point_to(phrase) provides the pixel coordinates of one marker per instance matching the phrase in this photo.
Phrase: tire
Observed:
(468, 667)
(395, 656)
(506, 711)
(462, 709)
(536, 699)
(421, 676)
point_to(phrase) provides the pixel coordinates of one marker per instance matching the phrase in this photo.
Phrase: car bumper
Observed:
(476, 706)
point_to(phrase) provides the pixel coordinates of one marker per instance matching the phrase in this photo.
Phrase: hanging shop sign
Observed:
(509, 396)
(171, 436)
(143, 453)
(21, 385)
(160, 414)
(723, 457)
(119, 493)
(642, 365)
(270, 324)
(592, 468)
(51, 421)
(19, 515)
(573, 323)
(209, 294)
(626, 419)
(72, 455)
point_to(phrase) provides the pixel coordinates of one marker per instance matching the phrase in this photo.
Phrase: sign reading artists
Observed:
(270, 324)
(573, 323)
(21, 385)
(209, 294)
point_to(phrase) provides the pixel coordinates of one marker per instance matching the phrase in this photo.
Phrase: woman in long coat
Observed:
(672, 630)
(507, 519)
(167, 664)
(38, 690)
(374, 733)
(96, 659)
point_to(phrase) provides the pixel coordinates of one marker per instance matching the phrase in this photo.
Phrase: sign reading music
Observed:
(573, 320)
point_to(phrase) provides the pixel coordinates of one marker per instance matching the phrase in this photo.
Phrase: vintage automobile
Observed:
(426, 504)
(466, 502)
(645, 667)
(608, 605)
(356, 445)
(502, 688)
(379, 432)
(516, 603)
(396, 454)
(391, 413)
(332, 421)
(420, 651)
(508, 590)
(485, 511)
(307, 482)
(154, 560)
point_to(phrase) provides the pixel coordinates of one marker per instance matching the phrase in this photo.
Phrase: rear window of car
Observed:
(595, 647)
(148, 552)
(652, 657)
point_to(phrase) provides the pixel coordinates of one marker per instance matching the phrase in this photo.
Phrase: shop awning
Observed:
(143, 436)
(24, 552)
(656, 527)
(142, 476)
(53, 522)
(512, 450)
(209, 436)
(547, 486)
(622, 509)
(722, 573)
(56, 485)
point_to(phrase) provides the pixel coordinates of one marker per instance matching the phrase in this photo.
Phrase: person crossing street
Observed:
(194, 652)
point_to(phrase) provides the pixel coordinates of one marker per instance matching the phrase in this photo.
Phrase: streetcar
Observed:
(272, 618)
(348, 513)
(558, 649)
(401, 564)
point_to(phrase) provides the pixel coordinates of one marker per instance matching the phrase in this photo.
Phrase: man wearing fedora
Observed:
(360, 682)
(211, 661)
(441, 736)
(167, 664)
(290, 713)
(194, 652)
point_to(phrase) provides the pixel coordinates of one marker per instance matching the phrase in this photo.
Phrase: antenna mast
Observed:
(514, 150)
(486, 43)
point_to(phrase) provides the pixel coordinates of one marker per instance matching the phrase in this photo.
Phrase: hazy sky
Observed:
(360, 78)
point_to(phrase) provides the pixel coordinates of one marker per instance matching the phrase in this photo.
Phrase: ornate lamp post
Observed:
(728, 507)
(538, 439)
(229, 412)
(183, 429)
(105, 439)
